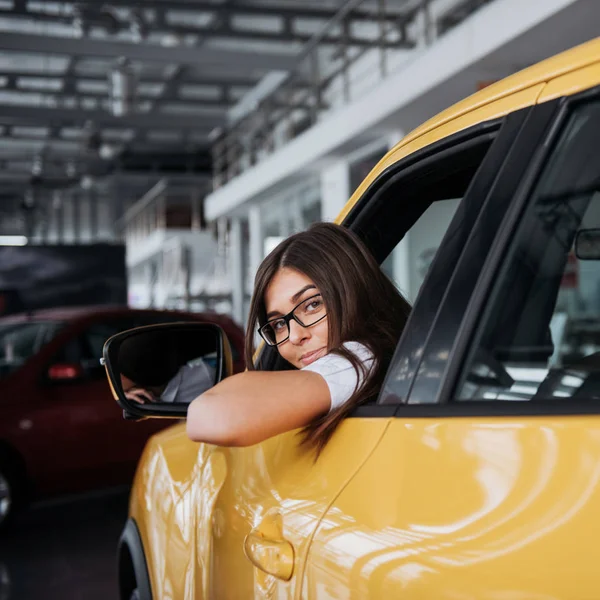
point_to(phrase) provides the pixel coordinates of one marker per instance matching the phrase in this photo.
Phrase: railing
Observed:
(169, 204)
(327, 75)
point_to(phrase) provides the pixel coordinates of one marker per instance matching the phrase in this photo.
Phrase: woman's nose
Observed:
(297, 332)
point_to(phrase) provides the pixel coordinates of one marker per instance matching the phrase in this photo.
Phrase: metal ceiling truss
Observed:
(286, 31)
(145, 52)
(201, 71)
(222, 17)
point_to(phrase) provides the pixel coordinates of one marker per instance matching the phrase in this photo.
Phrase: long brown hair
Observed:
(362, 306)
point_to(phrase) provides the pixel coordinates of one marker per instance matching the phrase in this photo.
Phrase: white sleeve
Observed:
(339, 373)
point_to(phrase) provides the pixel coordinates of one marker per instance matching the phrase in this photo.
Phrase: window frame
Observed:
(501, 133)
(462, 336)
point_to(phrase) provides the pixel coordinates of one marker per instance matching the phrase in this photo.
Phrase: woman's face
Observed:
(287, 289)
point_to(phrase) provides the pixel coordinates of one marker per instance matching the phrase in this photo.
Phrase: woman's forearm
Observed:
(250, 407)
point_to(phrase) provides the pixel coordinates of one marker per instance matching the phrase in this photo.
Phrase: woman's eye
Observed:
(278, 325)
(315, 304)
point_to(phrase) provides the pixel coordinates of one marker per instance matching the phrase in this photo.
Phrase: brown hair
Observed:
(362, 306)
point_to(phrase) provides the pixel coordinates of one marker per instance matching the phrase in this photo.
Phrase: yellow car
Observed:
(476, 473)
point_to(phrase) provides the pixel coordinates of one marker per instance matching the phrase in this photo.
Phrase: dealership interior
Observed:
(154, 152)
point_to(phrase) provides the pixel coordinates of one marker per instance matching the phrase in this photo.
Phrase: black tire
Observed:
(11, 491)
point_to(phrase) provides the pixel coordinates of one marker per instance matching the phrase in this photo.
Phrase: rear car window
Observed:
(20, 341)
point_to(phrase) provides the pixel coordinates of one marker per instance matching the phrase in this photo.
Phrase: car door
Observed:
(269, 499)
(486, 483)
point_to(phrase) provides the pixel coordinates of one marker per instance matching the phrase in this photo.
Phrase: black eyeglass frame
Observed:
(287, 318)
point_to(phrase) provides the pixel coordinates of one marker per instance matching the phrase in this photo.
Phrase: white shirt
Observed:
(339, 373)
(190, 381)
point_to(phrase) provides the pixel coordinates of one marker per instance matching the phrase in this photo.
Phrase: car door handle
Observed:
(273, 555)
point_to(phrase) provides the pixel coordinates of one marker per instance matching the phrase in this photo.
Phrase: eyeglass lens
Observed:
(306, 314)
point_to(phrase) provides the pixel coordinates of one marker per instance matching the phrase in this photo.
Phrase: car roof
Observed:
(514, 85)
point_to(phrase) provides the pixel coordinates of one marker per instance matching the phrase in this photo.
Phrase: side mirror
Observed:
(157, 371)
(65, 372)
(587, 244)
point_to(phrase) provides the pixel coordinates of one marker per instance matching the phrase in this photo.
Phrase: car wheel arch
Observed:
(131, 564)
(13, 457)
(13, 467)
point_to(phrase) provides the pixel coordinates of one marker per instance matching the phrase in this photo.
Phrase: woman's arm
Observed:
(250, 407)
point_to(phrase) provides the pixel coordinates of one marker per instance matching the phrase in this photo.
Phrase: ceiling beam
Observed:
(212, 80)
(15, 115)
(171, 96)
(226, 29)
(280, 10)
(183, 55)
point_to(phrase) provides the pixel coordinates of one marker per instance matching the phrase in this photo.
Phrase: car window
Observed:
(96, 335)
(405, 222)
(20, 341)
(539, 337)
(85, 349)
(409, 262)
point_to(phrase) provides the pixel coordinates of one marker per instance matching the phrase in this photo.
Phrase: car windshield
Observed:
(20, 341)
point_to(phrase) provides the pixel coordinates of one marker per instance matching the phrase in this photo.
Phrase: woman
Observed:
(331, 320)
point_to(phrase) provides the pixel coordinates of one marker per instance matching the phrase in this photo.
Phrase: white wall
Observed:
(335, 189)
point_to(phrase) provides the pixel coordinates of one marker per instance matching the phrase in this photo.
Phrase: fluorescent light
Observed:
(13, 240)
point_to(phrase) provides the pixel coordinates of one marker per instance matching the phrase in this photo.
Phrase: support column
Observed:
(335, 189)
(284, 219)
(76, 213)
(150, 276)
(94, 228)
(296, 214)
(237, 270)
(257, 240)
(59, 208)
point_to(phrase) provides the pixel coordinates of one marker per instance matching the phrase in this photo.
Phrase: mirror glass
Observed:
(166, 365)
(587, 244)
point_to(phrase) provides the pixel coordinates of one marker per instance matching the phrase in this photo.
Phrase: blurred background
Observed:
(152, 153)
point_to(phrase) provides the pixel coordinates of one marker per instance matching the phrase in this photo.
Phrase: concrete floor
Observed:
(64, 550)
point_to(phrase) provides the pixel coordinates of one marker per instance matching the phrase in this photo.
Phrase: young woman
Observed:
(330, 320)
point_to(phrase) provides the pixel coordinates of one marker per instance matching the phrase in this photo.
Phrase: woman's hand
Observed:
(140, 395)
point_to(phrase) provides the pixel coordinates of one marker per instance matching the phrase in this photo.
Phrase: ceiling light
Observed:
(38, 166)
(122, 88)
(87, 182)
(80, 23)
(56, 199)
(71, 169)
(13, 240)
(107, 151)
(170, 40)
(137, 26)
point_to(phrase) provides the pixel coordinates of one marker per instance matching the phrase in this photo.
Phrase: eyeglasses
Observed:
(308, 312)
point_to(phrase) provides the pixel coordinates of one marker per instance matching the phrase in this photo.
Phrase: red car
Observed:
(61, 431)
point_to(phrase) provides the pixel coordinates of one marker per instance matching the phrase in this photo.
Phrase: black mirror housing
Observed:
(156, 371)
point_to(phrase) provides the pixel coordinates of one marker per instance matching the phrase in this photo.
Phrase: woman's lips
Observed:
(310, 357)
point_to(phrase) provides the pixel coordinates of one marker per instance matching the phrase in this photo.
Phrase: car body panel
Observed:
(194, 504)
(466, 507)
